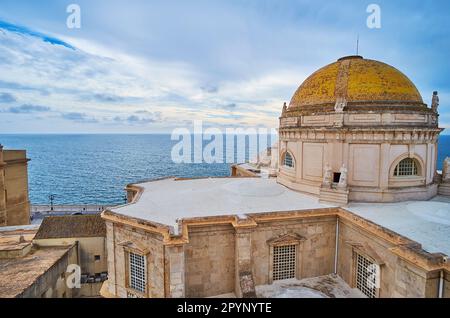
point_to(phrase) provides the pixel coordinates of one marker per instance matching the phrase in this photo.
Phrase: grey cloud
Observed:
(211, 89)
(230, 106)
(108, 98)
(233, 116)
(20, 87)
(134, 120)
(7, 98)
(154, 115)
(27, 109)
(78, 117)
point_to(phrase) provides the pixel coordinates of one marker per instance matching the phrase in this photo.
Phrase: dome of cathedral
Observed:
(360, 84)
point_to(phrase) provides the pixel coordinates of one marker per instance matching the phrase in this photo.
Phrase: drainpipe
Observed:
(441, 285)
(336, 247)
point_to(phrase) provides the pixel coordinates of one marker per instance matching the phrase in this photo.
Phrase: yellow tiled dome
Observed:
(358, 81)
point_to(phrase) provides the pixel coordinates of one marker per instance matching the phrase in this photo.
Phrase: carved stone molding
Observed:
(286, 239)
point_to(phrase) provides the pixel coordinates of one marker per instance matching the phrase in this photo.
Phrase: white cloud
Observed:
(96, 82)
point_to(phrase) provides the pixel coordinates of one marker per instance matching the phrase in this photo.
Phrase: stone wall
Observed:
(119, 238)
(398, 277)
(212, 258)
(90, 290)
(446, 287)
(52, 284)
(210, 261)
(89, 247)
(16, 188)
(370, 156)
(316, 252)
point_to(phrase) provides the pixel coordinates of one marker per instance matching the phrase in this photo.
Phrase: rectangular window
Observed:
(137, 272)
(97, 258)
(284, 262)
(366, 276)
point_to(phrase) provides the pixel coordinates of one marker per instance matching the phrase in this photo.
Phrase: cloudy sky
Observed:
(150, 66)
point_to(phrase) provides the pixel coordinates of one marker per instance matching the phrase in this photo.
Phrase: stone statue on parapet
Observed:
(341, 103)
(327, 176)
(343, 179)
(435, 102)
(446, 170)
(284, 108)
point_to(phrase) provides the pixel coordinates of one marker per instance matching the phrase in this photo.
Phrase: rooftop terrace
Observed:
(166, 201)
(169, 200)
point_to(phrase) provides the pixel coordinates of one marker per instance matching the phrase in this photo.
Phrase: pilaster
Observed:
(244, 286)
(176, 270)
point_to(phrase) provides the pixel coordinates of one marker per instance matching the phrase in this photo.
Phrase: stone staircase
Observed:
(334, 196)
(444, 189)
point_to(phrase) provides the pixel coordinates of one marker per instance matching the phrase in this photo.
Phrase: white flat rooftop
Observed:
(426, 222)
(166, 201)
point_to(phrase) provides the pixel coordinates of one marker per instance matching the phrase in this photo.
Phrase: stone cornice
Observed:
(15, 162)
(366, 134)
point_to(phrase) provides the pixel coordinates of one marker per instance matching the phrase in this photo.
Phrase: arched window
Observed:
(288, 160)
(406, 167)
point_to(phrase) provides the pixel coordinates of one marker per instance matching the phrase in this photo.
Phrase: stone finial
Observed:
(435, 102)
(446, 170)
(343, 178)
(327, 176)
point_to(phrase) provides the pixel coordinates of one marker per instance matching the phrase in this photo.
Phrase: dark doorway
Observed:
(336, 177)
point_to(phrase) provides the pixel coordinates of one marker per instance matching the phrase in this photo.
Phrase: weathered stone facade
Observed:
(52, 284)
(14, 202)
(212, 255)
(406, 270)
(28, 270)
(122, 239)
(210, 247)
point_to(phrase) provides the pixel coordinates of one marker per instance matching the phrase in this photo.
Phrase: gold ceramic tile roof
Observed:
(357, 80)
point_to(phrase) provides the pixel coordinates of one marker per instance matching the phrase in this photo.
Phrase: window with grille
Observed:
(406, 167)
(288, 160)
(367, 276)
(137, 272)
(284, 262)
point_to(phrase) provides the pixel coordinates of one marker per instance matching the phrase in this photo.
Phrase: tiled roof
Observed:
(72, 226)
(356, 80)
